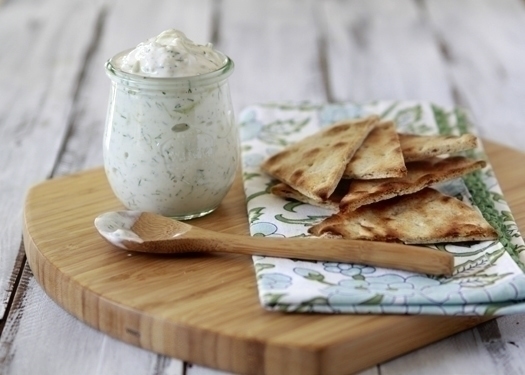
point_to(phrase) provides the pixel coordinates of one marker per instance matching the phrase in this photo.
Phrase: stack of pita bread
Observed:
(380, 182)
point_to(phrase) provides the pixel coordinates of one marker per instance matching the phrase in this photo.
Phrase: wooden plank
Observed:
(113, 28)
(50, 353)
(278, 56)
(481, 44)
(82, 149)
(485, 48)
(382, 50)
(462, 354)
(274, 46)
(35, 105)
(75, 160)
(508, 342)
(484, 350)
(393, 51)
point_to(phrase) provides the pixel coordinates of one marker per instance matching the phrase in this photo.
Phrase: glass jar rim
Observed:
(135, 79)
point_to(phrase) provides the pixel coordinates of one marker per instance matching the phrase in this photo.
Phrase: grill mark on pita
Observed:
(312, 153)
(424, 217)
(420, 175)
(379, 156)
(296, 176)
(340, 144)
(324, 194)
(278, 157)
(314, 165)
(420, 147)
(337, 129)
(284, 191)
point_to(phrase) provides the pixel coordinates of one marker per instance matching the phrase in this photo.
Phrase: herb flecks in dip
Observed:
(171, 144)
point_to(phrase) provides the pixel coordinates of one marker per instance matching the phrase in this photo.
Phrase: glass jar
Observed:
(170, 144)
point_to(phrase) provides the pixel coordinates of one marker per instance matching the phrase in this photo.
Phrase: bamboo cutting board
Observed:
(204, 308)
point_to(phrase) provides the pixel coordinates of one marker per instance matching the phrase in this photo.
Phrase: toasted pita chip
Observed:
(420, 147)
(420, 175)
(284, 191)
(379, 156)
(314, 165)
(424, 217)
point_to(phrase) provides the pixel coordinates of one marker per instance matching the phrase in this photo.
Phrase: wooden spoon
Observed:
(151, 233)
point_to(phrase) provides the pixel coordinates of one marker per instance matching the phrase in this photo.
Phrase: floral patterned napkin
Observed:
(488, 277)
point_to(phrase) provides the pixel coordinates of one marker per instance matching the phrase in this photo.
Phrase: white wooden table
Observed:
(53, 97)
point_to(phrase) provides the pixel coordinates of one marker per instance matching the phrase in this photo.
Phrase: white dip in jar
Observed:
(170, 142)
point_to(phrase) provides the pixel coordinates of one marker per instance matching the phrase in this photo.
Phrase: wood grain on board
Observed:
(204, 308)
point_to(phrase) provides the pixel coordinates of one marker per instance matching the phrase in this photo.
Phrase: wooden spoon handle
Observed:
(381, 254)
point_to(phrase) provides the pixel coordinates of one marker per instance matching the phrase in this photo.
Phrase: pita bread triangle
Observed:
(284, 191)
(379, 156)
(420, 147)
(420, 175)
(314, 165)
(424, 217)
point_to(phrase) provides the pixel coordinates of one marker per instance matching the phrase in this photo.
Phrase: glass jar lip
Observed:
(205, 78)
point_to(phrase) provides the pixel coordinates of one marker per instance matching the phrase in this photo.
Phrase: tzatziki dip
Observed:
(170, 54)
(170, 142)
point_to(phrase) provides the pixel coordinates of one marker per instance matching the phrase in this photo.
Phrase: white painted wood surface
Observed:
(53, 96)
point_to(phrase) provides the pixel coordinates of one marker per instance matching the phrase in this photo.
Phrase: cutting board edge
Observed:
(320, 358)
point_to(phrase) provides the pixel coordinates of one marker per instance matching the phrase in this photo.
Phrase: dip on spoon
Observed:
(151, 233)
